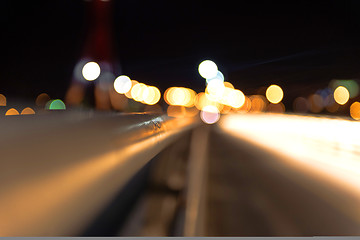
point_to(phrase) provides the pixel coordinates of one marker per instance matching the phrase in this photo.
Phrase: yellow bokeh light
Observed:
(27, 111)
(258, 103)
(2, 100)
(274, 94)
(276, 108)
(151, 95)
(246, 106)
(228, 85)
(236, 98)
(12, 111)
(128, 93)
(180, 96)
(202, 100)
(215, 89)
(137, 92)
(341, 95)
(355, 110)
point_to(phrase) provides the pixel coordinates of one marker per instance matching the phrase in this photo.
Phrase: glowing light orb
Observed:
(27, 111)
(355, 110)
(12, 111)
(274, 94)
(137, 92)
(341, 95)
(2, 100)
(210, 114)
(208, 69)
(122, 84)
(215, 89)
(56, 104)
(152, 95)
(91, 71)
(236, 99)
(218, 76)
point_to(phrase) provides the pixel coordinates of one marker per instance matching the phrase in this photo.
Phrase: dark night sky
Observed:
(298, 44)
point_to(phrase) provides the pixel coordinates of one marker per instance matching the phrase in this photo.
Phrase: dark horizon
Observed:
(299, 45)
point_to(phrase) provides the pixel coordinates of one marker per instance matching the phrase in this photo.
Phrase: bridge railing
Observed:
(59, 170)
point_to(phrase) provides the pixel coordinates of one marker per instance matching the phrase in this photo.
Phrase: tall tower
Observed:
(99, 48)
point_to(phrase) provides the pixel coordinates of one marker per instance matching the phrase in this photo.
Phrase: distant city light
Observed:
(56, 104)
(355, 110)
(2, 100)
(236, 99)
(122, 84)
(215, 89)
(316, 103)
(128, 93)
(137, 92)
(153, 95)
(229, 85)
(42, 99)
(351, 85)
(12, 111)
(91, 71)
(208, 69)
(274, 94)
(341, 95)
(301, 105)
(180, 96)
(218, 76)
(210, 114)
(27, 111)
(258, 103)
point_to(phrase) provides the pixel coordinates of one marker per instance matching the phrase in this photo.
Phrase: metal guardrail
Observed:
(59, 170)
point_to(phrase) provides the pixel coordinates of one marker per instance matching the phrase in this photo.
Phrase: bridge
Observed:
(88, 173)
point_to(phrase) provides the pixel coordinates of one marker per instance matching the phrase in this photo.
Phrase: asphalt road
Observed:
(253, 192)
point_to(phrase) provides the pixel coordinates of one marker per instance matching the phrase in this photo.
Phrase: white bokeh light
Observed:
(91, 71)
(210, 114)
(218, 76)
(122, 84)
(208, 69)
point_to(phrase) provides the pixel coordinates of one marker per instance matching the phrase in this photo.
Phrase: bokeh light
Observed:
(152, 95)
(2, 100)
(229, 85)
(180, 96)
(258, 103)
(27, 111)
(355, 110)
(122, 84)
(210, 114)
(11, 111)
(128, 93)
(137, 92)
(301, 105)
(276, 108)
(91, 71)
(246, 106)
(215, 90)
(274, 94)
(316, 103)
(341, 95)
(234, 98)
(208, 69)
(56, 104)
(42, 99)
(201, 100)
(351, 85)
(218, 76)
